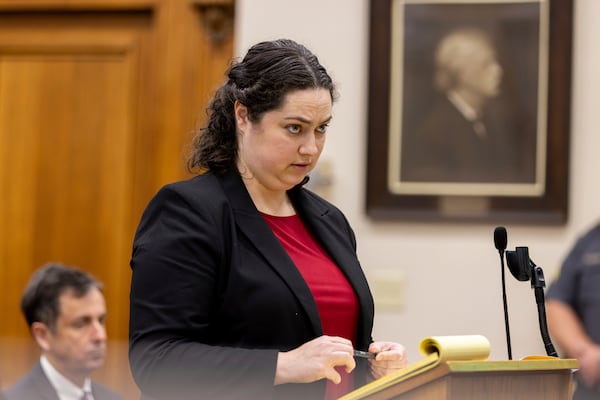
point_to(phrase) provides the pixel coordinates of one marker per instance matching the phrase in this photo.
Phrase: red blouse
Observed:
(335, 298)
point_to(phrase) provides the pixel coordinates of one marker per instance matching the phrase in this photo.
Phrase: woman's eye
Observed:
(295, 129)
(322, 128)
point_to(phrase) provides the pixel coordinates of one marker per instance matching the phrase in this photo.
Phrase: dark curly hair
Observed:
(268, 72)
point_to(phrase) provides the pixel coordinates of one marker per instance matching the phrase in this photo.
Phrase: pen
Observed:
(364, 354)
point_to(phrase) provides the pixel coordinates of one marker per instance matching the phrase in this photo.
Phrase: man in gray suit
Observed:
(65, 310)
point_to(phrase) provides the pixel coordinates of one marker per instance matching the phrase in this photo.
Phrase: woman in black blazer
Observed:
(246, 285)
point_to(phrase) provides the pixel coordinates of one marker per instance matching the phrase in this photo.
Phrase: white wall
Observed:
(452, 271)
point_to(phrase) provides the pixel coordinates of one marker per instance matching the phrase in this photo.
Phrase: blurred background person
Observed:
(573, 312)
(66, 312)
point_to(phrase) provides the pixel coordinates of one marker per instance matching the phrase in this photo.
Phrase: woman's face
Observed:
(276, 152)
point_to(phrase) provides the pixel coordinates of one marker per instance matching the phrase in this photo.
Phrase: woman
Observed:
(245, 285)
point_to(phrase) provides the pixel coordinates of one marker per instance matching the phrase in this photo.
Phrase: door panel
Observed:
(98, 100)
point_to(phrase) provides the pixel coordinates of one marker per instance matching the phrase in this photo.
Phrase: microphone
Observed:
(500, 238)
(500, 241)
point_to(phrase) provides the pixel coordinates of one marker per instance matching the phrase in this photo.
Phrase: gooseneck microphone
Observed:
(500, 241)
(537, 284)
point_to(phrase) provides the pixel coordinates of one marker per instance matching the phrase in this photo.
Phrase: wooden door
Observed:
(98, 100)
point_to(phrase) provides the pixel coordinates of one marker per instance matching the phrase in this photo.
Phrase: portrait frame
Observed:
(535, 53)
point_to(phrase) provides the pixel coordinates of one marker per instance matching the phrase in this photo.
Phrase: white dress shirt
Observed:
(468, 112)
(65, 389)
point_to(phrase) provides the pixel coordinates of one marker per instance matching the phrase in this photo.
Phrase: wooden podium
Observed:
(548, 379)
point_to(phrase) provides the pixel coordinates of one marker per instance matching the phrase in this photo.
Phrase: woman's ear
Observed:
(241, 115)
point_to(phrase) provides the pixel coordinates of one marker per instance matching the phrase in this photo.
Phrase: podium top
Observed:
(510, 365)
(502, 377)
(459, 356)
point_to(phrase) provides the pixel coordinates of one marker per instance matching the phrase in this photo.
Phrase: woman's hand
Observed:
(315, 360)
(390, 357)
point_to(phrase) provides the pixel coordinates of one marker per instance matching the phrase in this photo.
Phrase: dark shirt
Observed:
(578, 286)
(579, 281)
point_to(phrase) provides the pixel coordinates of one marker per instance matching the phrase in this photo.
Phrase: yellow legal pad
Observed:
(436, 349)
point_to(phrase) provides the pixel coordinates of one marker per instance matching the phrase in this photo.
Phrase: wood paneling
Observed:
(98, 100)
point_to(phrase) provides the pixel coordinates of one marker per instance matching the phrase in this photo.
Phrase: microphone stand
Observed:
(537, 284)
(504, 303)
(500, 240)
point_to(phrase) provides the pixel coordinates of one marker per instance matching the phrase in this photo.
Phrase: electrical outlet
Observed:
(388, 288)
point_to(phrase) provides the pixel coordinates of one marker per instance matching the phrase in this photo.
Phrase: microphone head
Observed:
(500, 238)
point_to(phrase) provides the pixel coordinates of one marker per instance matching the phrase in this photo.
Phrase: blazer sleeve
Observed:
(180, 257)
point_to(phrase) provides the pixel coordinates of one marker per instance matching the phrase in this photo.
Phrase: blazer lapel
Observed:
(254, 227)
(340, 247)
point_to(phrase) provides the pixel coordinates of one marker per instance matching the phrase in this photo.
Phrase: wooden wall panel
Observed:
(74, 161)
(98, 100)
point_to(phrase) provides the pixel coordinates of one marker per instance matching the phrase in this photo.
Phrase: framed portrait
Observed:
(469, 110)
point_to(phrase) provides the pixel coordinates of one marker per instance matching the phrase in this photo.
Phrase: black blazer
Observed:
(35, 385)
(215, 297)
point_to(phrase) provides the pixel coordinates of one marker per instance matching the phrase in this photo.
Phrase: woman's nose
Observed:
(310, 145)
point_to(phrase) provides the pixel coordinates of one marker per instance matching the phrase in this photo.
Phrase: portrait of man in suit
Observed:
(470, 95)
(462, 138)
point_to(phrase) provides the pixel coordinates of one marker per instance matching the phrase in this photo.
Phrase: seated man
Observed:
(65, 310)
